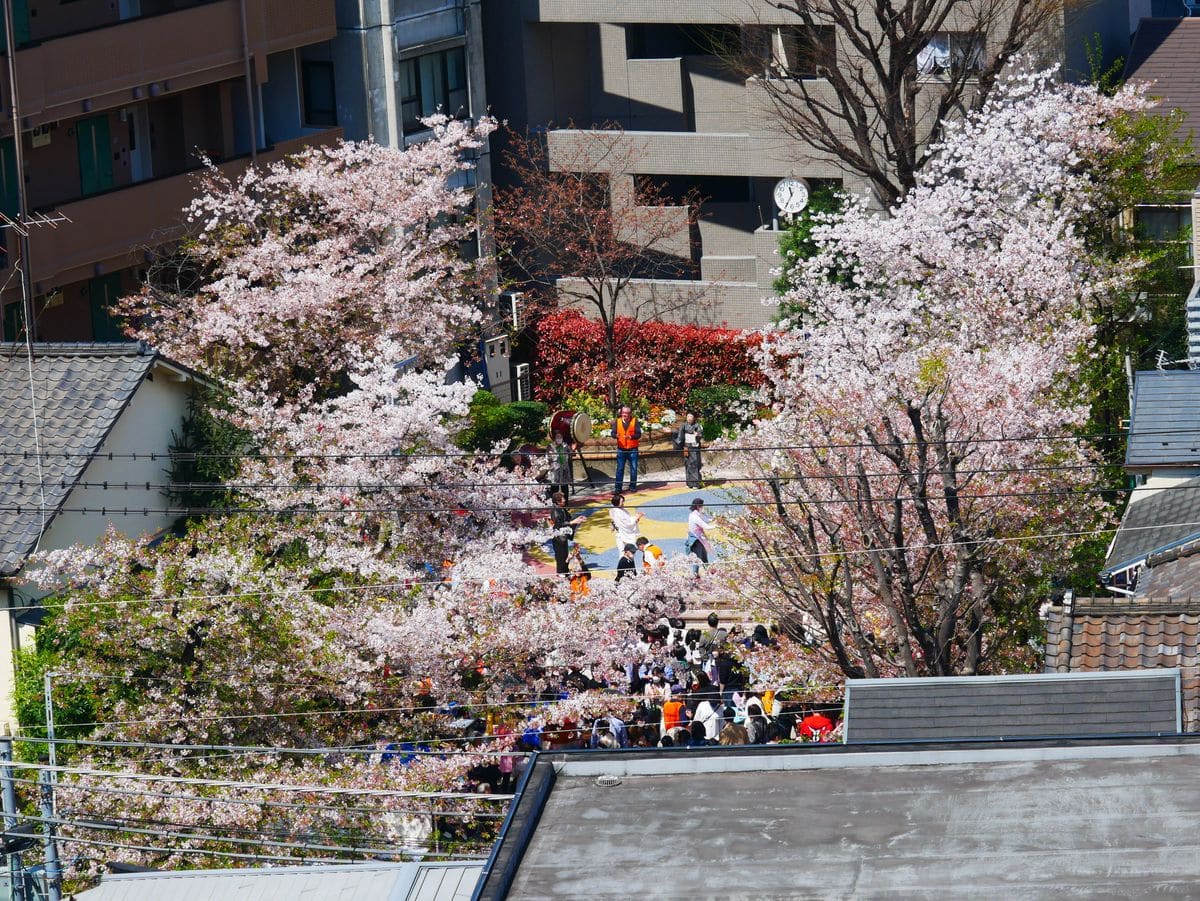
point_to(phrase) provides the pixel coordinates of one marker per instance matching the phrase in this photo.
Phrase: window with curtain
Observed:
(805, 52)
(951, 53)
(435, 82)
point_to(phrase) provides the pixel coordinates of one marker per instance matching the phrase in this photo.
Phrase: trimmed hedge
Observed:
(660, 361)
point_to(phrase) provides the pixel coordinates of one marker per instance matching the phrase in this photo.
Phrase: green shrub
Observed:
(491, 423)
(594, 405)
(721, 409)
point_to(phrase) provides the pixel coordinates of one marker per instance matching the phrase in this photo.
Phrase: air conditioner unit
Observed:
(512, 305)
(524, 390)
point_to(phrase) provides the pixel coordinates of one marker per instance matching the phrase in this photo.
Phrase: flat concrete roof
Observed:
(1035, 820)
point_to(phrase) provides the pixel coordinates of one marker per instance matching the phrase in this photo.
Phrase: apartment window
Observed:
(320, 105)
(951, 53)
(1163, 223)
(432, 83)
(804, 52)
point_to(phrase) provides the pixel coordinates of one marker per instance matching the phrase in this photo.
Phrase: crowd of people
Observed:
(702, 697)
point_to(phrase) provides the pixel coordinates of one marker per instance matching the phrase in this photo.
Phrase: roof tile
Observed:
(79, 391)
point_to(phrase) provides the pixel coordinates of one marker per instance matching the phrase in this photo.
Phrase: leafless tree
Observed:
(582, 227)
(869, 82)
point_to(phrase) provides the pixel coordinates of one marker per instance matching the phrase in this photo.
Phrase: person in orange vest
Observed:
(628, 432)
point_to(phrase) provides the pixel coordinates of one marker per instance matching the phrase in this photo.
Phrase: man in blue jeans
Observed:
(628, 432)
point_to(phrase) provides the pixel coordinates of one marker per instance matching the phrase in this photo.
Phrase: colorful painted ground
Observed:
(665, 523)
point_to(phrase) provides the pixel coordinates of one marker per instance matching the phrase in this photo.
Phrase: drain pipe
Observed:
(249, 86)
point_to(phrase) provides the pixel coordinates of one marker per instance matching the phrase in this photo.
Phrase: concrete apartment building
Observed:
(117, 99)
(399, 61)
(690, 120)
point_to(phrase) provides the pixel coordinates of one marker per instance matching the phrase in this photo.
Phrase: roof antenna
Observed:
(1165, 362)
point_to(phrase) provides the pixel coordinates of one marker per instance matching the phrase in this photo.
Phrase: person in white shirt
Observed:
(709, 716)
(698, 526)
(624, 523)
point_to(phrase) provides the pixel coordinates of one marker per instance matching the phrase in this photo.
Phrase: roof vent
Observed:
(608, 780)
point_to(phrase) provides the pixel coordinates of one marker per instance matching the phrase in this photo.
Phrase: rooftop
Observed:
(80, 392)
(1153, 522)
(1034, 705)
(1111, 634)
(1021, 819)
(1164, 419)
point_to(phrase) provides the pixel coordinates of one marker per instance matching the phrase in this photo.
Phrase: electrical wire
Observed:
(299, 512)
(205, 837)
(259, 786)
(266, 751)
(212, 799)
(167, 852)
(114, 485)
(718, 563)
(348, 509)
(27, 310)
(194, 456)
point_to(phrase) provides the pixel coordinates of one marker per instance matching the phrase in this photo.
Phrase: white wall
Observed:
(156, 409)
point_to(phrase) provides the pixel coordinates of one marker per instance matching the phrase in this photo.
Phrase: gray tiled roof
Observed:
(81, 390)
(1164, 421)
(1174, 573)
(1169, 517)
(1165, 51)
(449, 881)
(1011, 706)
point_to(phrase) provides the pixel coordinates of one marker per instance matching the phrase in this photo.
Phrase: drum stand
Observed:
(582, 462)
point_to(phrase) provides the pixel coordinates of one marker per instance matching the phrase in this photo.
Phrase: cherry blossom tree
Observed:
(924, 398)
(288, 270)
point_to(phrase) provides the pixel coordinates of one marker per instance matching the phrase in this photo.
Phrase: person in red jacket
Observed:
(815, 727)
(628, 432)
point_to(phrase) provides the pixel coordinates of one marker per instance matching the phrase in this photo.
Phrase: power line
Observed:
(155, 849)
(726, 561)
(309, 487)
(259, 786)
(213, 799)
(204, 837)
(471, 510)
(194, 456)
(349, 750)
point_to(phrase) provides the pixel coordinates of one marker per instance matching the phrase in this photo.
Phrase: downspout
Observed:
(249, 86)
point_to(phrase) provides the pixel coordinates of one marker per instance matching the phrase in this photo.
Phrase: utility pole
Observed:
(51, 745)
(53, 870)
(48, 778)
(19, 159)
(16, 873)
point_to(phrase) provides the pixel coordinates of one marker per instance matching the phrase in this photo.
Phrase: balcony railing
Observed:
(107, 67)
(113, 230)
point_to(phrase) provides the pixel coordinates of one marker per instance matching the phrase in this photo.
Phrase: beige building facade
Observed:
(658, 71)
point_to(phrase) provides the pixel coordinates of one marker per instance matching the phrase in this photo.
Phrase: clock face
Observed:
(791, 195)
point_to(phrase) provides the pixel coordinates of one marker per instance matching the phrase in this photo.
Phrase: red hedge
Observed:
(658, 360)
